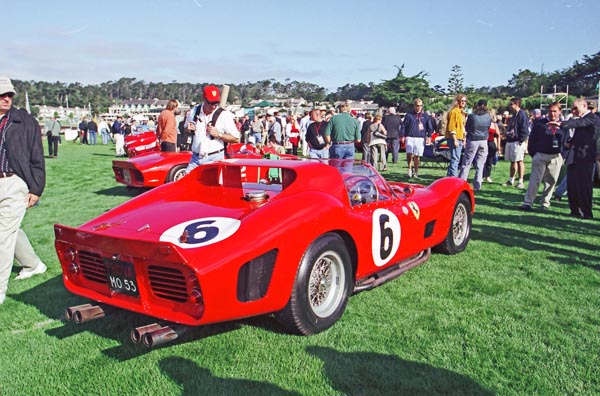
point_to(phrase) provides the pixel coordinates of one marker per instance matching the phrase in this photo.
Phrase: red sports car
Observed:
(243, 237)
(155, 168)
(142, 140)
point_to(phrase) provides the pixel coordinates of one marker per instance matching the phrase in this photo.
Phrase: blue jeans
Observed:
(255, 138)
(105, 136)
(455, 152)
(198, 160)
(475, 153)
(342, 151)
(92, 137)
(314, 153)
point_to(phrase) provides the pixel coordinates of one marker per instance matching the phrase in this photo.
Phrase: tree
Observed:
(455, 82)
(401, 91)
(524, 83)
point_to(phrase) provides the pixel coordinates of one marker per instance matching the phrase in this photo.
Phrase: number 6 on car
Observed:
(245, 237)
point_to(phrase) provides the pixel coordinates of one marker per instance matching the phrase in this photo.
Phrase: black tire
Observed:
(176, 173)
(322, 287)
(460, 228)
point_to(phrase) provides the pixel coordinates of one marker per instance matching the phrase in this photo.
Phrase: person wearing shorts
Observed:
(516, 138)
(418, 127)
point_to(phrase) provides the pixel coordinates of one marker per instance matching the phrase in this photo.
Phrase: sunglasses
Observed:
(7, 94)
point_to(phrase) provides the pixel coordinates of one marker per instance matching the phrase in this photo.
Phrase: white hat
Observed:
(6, 86)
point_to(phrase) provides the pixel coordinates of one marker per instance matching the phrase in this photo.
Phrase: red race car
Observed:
(155, 168)
(243, 237)
(142, 140)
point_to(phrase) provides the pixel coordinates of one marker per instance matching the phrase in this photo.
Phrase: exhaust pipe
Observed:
(69, 312)
(162, 335)
(86, 312)
(138, 332)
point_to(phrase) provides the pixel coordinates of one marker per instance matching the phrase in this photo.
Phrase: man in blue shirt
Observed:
(417, 128)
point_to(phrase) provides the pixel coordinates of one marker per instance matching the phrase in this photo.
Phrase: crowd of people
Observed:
(475, 139)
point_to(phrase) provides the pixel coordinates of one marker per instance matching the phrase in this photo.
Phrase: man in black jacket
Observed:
(22, 181)
(580, 158)
(392, 123)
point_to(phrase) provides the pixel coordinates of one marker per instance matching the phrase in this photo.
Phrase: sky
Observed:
(328, 43)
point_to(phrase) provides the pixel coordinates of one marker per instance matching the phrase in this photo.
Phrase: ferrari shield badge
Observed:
(414, 209)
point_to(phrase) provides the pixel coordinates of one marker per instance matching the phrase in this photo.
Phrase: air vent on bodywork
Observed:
(254, 277)
(92, 266)
(167, 283)
(429, 227)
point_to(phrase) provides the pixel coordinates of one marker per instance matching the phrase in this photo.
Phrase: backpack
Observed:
(213, 121)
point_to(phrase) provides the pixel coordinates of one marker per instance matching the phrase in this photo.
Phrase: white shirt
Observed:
(203, 144)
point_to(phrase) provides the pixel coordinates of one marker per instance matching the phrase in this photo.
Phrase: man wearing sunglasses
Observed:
(212, 129)
(22, 181)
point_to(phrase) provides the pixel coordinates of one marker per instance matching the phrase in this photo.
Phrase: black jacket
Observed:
(25, 151)
(583, 142)
(393, 125)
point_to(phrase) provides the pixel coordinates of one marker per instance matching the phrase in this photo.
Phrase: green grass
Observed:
(516, 314)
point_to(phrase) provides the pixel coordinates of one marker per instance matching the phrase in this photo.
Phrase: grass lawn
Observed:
(518, 313)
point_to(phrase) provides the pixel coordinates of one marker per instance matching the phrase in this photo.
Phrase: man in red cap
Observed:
(212, 128)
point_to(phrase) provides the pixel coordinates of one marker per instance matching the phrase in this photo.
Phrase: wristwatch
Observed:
(220, 135)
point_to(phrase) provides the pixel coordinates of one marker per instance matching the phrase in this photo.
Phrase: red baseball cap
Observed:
(211, 94)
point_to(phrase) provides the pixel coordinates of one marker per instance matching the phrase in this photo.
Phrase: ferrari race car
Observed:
(155, 168)
(141, 140)
(242, 237)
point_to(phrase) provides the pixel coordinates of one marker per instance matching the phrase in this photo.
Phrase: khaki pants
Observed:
(544, 168)
(13, 241)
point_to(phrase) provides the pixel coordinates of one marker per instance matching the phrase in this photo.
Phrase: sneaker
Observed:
(410, 174)
(416, 176)
(488, 179)
(2, 298)
(40, 269)
(526, 208)
(521, 185)
(508, 183)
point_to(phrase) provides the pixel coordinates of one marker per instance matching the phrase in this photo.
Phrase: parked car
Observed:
(142, 139)
(155, 168)
(245, 237)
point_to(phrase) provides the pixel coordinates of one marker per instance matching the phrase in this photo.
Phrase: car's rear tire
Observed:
(176, 173)
(322, 287)
(460, 228)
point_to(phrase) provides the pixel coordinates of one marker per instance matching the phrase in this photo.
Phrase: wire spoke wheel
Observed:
(325, 286)
(460, 224)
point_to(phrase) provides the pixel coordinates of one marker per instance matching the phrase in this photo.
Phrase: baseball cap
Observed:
(6, 86)
(537, 111)
(482, 102)
(353, 112)
(211, 94)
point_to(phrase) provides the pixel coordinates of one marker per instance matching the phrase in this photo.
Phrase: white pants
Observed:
(544, 168)
(13, 204)
(119, 144)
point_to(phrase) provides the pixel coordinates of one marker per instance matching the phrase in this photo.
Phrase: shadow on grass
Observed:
(122, 191)
(51, 299)
(368, 373)
(196, 380)
(559, 241)
(105, 155)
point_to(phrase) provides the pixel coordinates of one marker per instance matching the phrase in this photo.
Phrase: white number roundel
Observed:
(200, 232)
(385, 238)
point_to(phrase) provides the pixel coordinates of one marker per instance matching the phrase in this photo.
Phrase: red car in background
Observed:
(242, 237)
(151, 169)
(141, 140)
